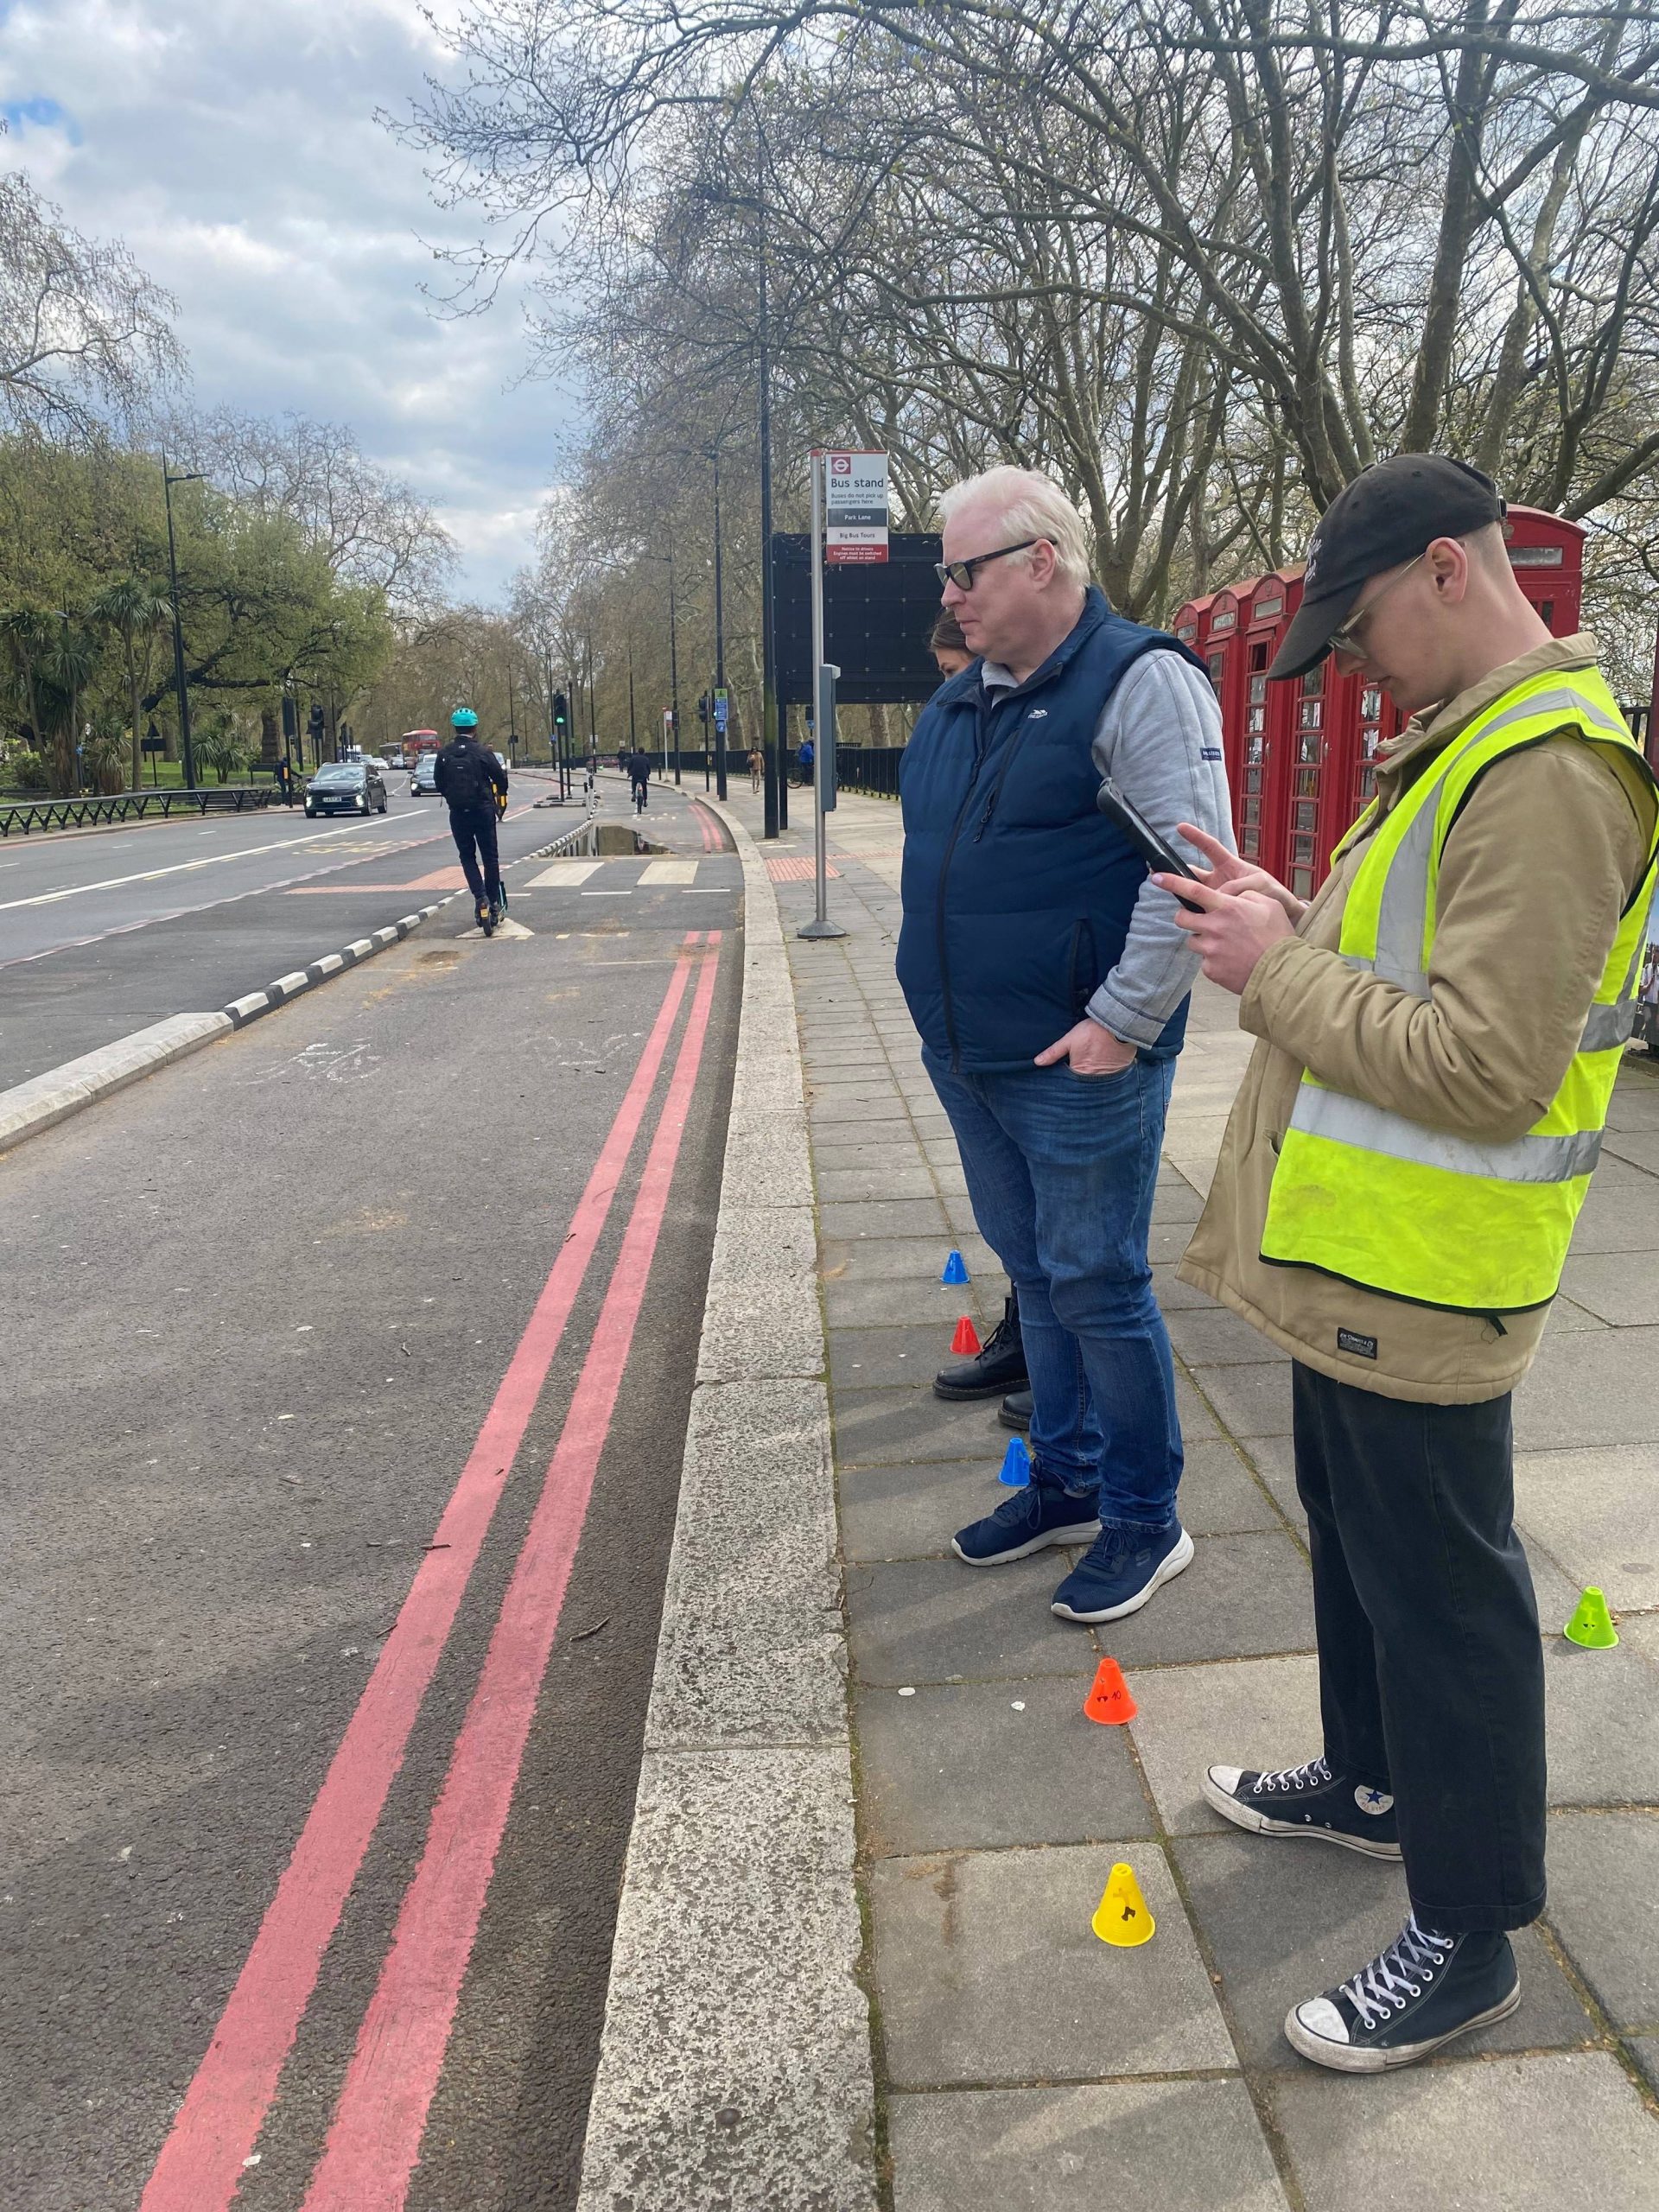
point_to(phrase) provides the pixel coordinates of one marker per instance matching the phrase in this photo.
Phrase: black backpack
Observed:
(468, 782)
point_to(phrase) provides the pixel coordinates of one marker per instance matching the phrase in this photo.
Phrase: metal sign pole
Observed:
(823, 709)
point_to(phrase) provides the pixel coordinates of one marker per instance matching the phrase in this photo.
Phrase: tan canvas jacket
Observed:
(1549, 848)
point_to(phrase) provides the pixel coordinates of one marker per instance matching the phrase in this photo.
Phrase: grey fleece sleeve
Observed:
(1159, 738)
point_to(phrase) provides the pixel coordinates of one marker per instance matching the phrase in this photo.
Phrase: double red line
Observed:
(375, 2137)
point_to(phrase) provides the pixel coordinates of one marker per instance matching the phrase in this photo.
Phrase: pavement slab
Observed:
(1603, 1904)
(964, 1766)
(876, 1427)
(1595, 1512)
(1562, 2132)
(1220, 1496)
(988, 1971)
(934, 1620)
(1142, 2146)
(911, 1512)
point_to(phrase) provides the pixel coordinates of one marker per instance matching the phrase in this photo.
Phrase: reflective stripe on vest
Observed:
(1365, 1193)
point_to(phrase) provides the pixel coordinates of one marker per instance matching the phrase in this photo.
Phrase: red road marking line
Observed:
(200, 2164)
(375, 2139)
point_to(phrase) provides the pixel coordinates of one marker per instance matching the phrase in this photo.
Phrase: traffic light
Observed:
(315, 724)
(703, 708)
(560, 707)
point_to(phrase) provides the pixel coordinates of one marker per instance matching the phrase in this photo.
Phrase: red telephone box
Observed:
(1546, 553)
(1326, 770)
(1221, 648)
(1192, 621)
(1268, 718)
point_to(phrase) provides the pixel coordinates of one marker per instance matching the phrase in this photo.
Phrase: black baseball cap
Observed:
(1389, 514)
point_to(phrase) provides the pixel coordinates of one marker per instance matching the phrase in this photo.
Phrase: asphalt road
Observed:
(104, 931)
(274, 1317)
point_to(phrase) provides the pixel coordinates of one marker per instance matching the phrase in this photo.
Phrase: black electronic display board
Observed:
(877, 615)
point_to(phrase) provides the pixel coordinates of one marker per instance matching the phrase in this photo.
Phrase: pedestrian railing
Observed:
(872, 768)
(21, 820)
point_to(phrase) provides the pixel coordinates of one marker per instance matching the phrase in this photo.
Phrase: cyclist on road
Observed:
(468, 777)
(639, 778)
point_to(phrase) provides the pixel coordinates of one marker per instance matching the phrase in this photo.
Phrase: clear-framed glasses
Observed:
(961, 573)
(1344, 640)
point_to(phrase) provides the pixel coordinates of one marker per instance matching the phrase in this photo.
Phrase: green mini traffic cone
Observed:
(1592, 1624)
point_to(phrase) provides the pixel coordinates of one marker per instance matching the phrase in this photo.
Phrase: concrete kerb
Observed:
(45, 1100)
(734, 2069)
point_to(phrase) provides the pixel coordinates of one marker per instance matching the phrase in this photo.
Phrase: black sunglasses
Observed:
(961, 573)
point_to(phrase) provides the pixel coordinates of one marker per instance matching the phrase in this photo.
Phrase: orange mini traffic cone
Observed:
(1109, 1701)
(966, 1339)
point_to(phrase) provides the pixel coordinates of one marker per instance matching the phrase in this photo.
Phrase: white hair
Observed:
(1029, 505)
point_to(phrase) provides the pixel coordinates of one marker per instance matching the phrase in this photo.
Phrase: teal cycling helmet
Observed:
(463, 718)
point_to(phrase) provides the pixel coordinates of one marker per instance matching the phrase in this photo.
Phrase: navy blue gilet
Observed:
(1017, 891)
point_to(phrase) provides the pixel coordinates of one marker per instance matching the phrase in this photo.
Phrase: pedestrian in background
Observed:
(757, 765)
(948, 645)
(1050, 983)
(1440, 1032)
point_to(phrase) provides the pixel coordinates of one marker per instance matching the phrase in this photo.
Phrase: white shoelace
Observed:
(1314, 1775)
(1402, 1971)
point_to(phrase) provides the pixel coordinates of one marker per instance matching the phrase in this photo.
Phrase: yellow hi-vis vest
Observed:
(1394, 1205)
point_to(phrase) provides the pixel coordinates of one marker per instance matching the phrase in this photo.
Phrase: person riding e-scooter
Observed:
(473, 785)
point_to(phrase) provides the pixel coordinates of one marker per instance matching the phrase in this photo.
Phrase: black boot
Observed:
(1014, 1412)
(999, 1365)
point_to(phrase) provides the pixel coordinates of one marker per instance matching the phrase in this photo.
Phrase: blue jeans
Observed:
(1061, 1170)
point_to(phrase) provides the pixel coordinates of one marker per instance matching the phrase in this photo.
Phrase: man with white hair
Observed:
(1049, 981)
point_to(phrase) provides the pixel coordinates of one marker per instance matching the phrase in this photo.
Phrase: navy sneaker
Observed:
(1027, 1520)
(1307, 1801)
(1121, 1570)
(1418, 1994)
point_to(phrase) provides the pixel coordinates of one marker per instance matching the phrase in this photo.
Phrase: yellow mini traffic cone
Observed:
(1121, 1917)
(1592, 1624)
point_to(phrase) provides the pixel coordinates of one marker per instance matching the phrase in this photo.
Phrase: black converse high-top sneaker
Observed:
(1422, 1990)
(1308, 1801)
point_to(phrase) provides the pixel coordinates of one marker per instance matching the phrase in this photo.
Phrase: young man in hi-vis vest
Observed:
(1439, 1029)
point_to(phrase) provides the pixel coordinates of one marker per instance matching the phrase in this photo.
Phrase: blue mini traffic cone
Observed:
(955, 1269)
(1016, 1465)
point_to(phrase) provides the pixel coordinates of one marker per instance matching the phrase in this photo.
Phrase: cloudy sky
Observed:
(232, 144)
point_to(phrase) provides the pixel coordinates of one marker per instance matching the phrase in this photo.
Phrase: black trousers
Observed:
(473, 831)
(1431, 1672)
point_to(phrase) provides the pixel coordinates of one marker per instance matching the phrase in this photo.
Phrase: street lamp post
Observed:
(191, 476)
(771, 739)
(673, 663)
(720, 646)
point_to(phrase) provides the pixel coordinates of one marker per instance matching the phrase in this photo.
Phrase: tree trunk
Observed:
(1460, 219)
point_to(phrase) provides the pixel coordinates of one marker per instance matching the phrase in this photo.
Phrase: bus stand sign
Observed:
(854, 507)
